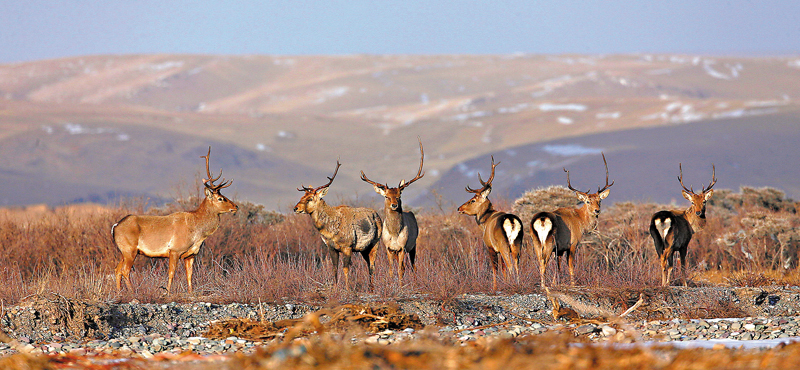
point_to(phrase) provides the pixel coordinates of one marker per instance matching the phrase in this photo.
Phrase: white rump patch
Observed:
(663, 227)
(512, 228)
(542, 228)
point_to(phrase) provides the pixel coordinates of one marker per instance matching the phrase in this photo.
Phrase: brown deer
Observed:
(400, 229)
(344, 229)
(561, 231)
(502, 232)
(177, 236)
(672, 230)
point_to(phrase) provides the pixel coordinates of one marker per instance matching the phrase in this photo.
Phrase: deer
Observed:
(502, 232)
(176, 236)
(561, 230)
(400, 228)
(344, 229)
(672, 230)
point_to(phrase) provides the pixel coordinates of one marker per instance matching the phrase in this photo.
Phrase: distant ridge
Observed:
(109, 126)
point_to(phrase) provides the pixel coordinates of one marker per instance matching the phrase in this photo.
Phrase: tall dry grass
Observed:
(751, 239)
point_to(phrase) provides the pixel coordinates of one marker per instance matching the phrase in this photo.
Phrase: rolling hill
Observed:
(100, 127)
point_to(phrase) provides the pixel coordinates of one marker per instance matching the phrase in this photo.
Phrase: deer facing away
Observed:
(502, 232)
(344, 229)
(561, 231)
(400, 228)
(176, 236)
(672, 230)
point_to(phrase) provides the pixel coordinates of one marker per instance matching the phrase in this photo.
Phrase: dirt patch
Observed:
(64, 317)
(370, 318)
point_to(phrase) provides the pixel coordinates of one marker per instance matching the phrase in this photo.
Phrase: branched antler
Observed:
(330, 180)
(486, 184)
(209, 182)
(404, 184)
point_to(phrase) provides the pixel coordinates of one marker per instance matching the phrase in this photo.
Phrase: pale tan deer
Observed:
(502, 232)
(400, 229)
(672, 230)
(344, 229)
(561, 231)
(176, 236)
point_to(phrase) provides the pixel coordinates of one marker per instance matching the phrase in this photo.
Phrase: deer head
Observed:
(392, 195)
(698, 207)
(478, 201)
(217, 201)
(310, 200)
(592, 200)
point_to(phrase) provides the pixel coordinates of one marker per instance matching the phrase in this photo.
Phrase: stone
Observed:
(608, 331)
(585, 329)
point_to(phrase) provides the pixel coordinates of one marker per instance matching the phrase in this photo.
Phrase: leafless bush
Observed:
(543, 199)
(261, 255)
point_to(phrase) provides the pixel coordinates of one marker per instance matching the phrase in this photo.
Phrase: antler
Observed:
(330, 181)
(713, 178)
(404, 184)
(680, 178)
(209, 182)
(607, 184)
(569, 185)
(487, 183)
(364, 178)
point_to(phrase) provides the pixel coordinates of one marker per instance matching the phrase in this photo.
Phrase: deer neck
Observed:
(206, 217)
(587, 219)
(394, 220)
(696, 222)
(324, 216)
(485, 212)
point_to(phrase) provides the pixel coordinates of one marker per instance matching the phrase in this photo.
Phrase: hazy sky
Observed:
(36, 29)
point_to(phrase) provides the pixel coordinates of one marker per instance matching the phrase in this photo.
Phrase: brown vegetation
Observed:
(750, 240)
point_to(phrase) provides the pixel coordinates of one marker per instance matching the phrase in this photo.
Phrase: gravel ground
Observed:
(53, 324)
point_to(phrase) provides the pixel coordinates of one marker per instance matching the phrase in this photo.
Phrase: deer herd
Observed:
(346, 229)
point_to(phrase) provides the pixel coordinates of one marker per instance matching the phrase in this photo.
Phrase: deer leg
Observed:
(369, 257)
(543, 259)
(557, 278)
(671, 261)
(571, 265)
(515, 259)
(390, 257)
(334, 264)
(188, 262)
(123, 270)
(346, 261)
(493, 259)
(401, 266)
(412, 255)
(173, 264)
(683, 260)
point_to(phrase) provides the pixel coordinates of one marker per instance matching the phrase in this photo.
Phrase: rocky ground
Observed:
(54, 324)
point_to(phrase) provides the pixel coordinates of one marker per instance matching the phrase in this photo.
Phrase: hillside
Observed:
(100, 127)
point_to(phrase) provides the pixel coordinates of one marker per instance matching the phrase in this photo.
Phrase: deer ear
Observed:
(321, 193)
(604, 194)
(486, 192)
(708, 194)
(379, 190)
(686, 195)
(208, 193)
(582, 197)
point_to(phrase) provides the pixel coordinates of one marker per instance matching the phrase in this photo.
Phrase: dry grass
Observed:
(750, 240)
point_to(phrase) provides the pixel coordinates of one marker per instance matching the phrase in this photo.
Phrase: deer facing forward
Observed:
(561, 231)
(400, 228)
(672, 230)
(344, 229)
(176, 236)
